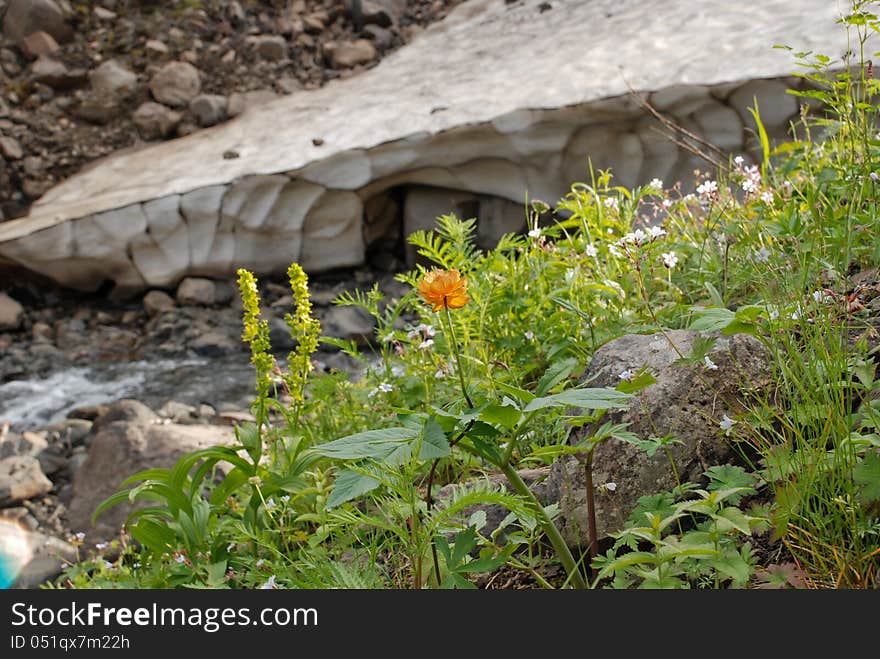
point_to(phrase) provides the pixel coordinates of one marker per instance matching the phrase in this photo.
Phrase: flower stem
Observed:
(553, 534)
(455, 354)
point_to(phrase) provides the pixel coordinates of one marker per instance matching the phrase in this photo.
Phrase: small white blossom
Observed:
(108, 565)
(530, 335)
(611, 203)
(656, 232)
(712, 366)
(707, 188)
(101, 546)
(388, 338)
(670, 260)
(269, 585)
(666, 203)
(749, 186)
(762, 255)
(591, 250)
(440, 374)
(874, 176)
(535, 233)
(726, 424)
(628, 374)
(426, 330)
(180, 558)
(259, 562)
(427, 343)
(656, 184)
(774, 314)
(610, 486)
(739, 160)
(80, 536)
(270, 504)
(384, 387)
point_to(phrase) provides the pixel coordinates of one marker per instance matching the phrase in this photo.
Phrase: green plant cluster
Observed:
(385, 482)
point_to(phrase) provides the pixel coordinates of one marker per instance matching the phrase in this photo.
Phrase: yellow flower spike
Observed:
(444, 289)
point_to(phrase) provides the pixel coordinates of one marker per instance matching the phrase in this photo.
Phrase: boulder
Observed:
(155, 302)
(120, 448)
(687, 403)
(28, 558)
(111, 79)
(197, 291)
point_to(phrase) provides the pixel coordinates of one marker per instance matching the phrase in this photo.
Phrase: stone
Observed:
(209, 109)
(239, 102)
(348, 54)
(28, 444)
(127, 410)
(383, 13)
(24, 17)
(10, 148)
(97, 109)
(348, 323)
(687, 405)
(113, 80)
(156, 302)
(775, 105)
(382, 37)
(49, 71)
(214, 343)
(196, 291)
(176, 84)
(39, 43)
(104, 14)
(156, 48)
(121, 448)
(270, 47)
(30, 558)
(155, 121)
(21, 479)
(11, 313)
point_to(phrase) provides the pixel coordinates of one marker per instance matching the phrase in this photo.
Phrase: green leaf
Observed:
(518, 394)
(731, 476)
(557, 372)
(217, 574)
(157, 537)
(350, 485)
(434, 442)
(867, 476)
(736, 519)
(589, 398)
(369, 444)
(506, 416)
(711, 319)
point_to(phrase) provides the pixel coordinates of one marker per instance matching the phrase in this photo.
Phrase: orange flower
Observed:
(444, 289)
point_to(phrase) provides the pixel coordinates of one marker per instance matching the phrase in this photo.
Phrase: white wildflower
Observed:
(712, 366)
(101, 546)
(388, 338)
(427, 343)
(530, 335)
(628, 374)
(535, 233)
(611, 203)
(762, 255)
(610, 486)
(874, 176)
(749, 186)
(707, 188)
(767, 196)
(726, 424)
(269, 585)
(739, 160)
(656, 184)
(591, 250)
(656, 232)
(670, 260)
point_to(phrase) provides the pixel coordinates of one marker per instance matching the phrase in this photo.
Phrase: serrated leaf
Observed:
(736, 519)
(867, 476)
(350, 485)
(603, 398)
(434, 442)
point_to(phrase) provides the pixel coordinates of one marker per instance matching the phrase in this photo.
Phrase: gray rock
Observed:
(33, 557)
(11, 313)
(10, 148)
(270, 47)
(97, 109)
(197, 291)
(176, 84)
(214, 343)
(687, 404)
(179, 412)
(24, 17)
(155, 121)
(348, 54)
(111, 79)
(155, 302)
(49, 71)
(20, 479)
(209, 109)
(28, 444)
(383, 13)
(156, 48)
(127, 410)
(120, 449)
(39, 43)
(348, 323)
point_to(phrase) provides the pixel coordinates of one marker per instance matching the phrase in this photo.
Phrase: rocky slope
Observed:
(81, 79)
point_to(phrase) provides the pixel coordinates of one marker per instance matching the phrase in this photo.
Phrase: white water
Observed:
(32, 403)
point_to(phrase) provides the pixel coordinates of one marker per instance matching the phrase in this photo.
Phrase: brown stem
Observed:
(591, 510)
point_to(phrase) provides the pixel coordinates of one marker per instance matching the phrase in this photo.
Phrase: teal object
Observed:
(7, 571)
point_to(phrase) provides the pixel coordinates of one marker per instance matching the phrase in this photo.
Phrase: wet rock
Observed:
(155, 121)
(11, 313)
(21, 479)
(176, 84)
